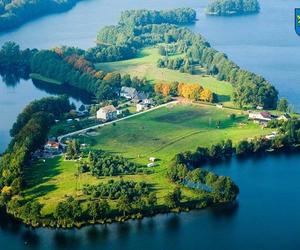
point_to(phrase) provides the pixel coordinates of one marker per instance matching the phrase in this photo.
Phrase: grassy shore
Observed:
(161, 133)
(145, 66)
(44, 79)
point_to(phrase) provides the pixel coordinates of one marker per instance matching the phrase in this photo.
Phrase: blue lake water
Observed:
(266, 213)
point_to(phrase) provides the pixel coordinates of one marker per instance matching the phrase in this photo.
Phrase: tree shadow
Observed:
(38, 174)
(40, 191)
(223, 98)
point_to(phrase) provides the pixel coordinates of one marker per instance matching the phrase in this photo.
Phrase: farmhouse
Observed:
(52, 148)
(107, 113)
(261, 117)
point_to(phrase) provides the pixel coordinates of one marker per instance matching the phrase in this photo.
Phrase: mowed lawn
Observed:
(161, 133)
(164, 132)
(145, 66)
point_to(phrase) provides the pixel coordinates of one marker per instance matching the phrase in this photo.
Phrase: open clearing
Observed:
(145, 66)
(161, 133)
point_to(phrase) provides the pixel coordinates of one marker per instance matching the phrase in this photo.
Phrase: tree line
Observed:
(190, 91)
(232, 7)
(178, 16)
(14, 13)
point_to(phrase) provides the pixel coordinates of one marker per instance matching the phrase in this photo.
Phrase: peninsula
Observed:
(164, 104)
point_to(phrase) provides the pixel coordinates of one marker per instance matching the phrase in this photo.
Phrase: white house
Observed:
(140, 107)
(107, 113)
(261, 117)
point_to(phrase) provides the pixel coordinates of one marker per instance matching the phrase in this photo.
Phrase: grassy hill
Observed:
(145, 66)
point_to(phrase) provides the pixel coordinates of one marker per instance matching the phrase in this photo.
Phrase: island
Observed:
(164, 105)
(232, 7)
(14, 13)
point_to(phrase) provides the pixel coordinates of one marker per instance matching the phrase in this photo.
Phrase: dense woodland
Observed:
(143, 17)
(249, 88)
(232, 7)
(14, 13)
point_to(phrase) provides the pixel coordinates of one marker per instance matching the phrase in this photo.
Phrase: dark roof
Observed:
(129, 91)
(266, 114)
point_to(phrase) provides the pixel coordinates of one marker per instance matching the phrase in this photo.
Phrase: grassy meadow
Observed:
(161, 134)
(145, 66)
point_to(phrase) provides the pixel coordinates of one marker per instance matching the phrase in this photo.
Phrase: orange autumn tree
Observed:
(162, 88)
(206, 96)
(190, 91)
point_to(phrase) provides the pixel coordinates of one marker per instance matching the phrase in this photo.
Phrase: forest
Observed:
(14, 13)
(232, 7)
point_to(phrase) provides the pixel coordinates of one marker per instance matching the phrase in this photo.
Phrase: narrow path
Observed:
(60, 138)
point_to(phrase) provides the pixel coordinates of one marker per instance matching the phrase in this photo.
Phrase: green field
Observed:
(145, 66)
(161, 133)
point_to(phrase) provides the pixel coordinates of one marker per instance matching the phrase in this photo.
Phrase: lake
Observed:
(265, 215)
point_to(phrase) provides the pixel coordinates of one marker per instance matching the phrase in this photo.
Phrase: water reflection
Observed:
(173, 223)
(66, 239)
(31, 238)
(12, 79)
(69, 90)
(227, 210)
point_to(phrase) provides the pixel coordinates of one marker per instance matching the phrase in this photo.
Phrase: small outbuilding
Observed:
(151, 164)
(152, 159)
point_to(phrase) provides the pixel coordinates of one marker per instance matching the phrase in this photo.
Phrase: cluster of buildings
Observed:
(140, 99)
(264, 117)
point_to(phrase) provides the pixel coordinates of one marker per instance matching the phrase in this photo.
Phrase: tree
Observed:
(123, 204)
(151, 200)
(173, 199)
(98, 209)
(31, 211)
(68, 210)
(162, 51)
(283, 105)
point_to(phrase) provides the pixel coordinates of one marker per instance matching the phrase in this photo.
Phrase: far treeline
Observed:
(232, 7)
(14, 13)
(249, 88)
